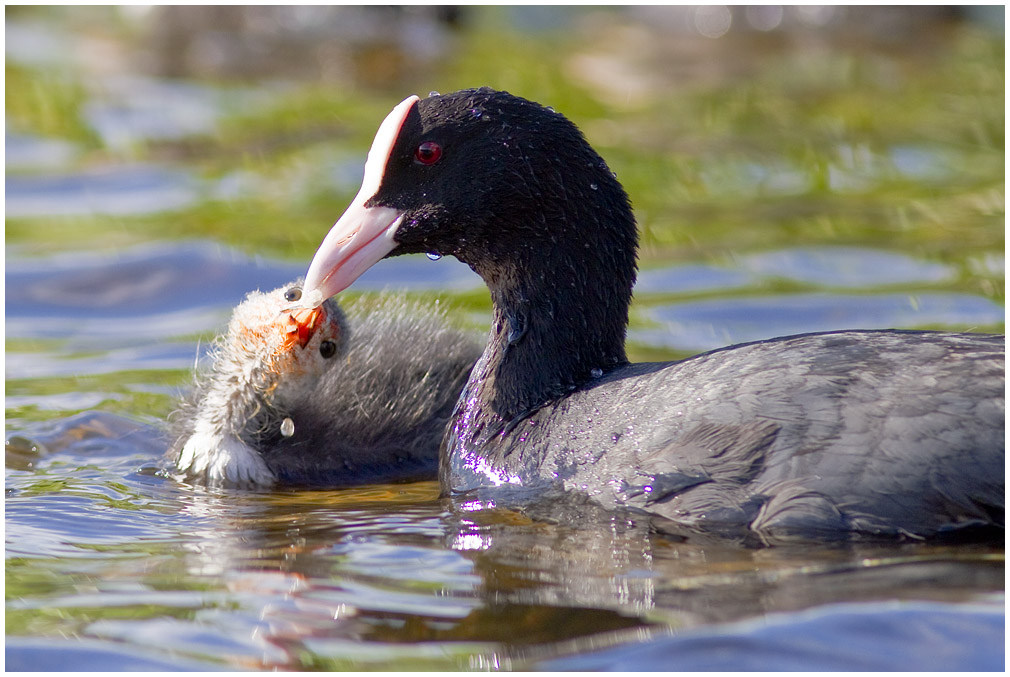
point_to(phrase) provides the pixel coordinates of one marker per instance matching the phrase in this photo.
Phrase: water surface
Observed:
(104, 547)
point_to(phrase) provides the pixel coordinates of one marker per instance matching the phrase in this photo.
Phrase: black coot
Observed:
(841, 434)
(307, 398)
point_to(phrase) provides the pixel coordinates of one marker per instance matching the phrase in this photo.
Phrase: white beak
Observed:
(362, 235)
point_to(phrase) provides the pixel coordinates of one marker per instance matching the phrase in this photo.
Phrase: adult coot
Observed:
(306, 397)
(840, 434)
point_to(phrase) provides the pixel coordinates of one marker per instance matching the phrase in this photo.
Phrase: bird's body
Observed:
(278, 407)
(781, 438)
(846, 434)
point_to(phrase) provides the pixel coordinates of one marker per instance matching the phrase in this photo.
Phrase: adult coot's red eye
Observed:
(428, 153)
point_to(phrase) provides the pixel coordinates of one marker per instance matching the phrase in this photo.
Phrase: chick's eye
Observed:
(428, 153)
(327, 349)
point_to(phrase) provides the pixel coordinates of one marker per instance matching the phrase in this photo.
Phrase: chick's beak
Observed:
(302, 323)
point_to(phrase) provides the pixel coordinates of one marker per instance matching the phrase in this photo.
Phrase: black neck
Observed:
(560, 311)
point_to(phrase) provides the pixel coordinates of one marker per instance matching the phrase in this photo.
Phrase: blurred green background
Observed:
(752, 139)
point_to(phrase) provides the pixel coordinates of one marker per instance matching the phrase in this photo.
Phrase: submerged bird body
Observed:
(323, 401)
(872, 433)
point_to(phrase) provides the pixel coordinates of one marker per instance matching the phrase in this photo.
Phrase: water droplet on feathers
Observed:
(287, 427)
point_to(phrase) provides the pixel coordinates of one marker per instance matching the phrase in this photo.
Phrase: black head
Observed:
(500, 182)
(488, 177)
(513, 189)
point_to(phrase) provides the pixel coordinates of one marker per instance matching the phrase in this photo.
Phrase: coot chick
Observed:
(819, 436)
(309, 398)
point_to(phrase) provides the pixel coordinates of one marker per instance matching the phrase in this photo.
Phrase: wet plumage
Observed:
(369, 407)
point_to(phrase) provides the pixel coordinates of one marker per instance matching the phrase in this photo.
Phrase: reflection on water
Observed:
(114, 192)
(393, 577)
(850, 213)
(845, 267)
(158, 277)
(27, 152)
(841, 637)
(691, 278)
(702, 325)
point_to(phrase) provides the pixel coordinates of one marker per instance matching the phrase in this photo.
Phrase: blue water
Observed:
(140, 570)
